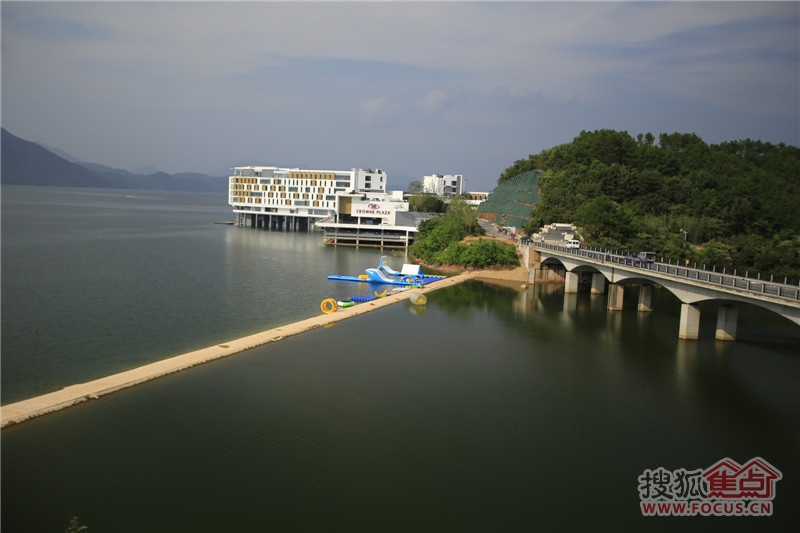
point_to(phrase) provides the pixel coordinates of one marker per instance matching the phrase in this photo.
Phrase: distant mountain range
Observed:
(27, 163)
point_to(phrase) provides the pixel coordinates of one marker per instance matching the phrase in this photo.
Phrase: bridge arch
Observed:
(618, 272)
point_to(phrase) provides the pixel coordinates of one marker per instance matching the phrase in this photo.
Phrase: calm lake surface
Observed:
(489, 409)
(97, 281)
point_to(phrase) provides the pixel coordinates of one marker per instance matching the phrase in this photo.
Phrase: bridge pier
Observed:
(646, 298)
(598, 283)
(726, 322)
(570, 282)
(551, 263)
(615, 294)
(690, 322)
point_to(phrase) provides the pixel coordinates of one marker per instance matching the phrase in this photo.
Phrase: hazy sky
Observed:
(413, 88)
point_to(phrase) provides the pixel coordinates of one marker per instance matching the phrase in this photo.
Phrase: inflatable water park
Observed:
(409, 275)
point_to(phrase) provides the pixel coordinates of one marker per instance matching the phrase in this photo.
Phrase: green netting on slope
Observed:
(511, 202)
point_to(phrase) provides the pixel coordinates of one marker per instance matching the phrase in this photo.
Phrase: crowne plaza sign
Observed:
(373, 208)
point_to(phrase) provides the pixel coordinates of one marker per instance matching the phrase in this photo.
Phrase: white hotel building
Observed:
(444, 185)
(352, 207)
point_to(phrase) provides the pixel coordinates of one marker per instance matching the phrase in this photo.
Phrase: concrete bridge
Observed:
(612, 272)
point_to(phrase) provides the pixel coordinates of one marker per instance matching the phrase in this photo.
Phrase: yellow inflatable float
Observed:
(328, 306)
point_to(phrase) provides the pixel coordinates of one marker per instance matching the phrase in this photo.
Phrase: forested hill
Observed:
(735, 204)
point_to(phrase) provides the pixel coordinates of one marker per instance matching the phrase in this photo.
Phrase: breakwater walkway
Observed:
(68, 396)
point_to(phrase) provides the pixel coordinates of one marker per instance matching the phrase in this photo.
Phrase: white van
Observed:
(573, 244)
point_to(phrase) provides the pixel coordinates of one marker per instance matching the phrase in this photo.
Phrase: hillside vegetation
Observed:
(734, 204)
(437, 241)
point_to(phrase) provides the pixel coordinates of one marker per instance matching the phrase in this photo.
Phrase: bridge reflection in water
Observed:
(610, 272)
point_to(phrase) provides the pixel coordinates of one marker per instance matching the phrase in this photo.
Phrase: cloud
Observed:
(454, 101)
(522, 98)
(201, 84)
(372, 109)
(434, 101)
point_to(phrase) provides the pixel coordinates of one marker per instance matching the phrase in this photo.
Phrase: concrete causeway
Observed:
(68, 396)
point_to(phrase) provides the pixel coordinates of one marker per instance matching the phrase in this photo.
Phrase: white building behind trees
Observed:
(443, 185)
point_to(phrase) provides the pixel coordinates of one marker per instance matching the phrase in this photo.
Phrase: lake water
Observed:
(489, 409)
(96, 281)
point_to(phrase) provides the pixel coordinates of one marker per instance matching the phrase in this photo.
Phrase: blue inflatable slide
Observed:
(384, 274)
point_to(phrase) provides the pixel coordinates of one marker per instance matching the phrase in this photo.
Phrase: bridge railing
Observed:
(718, 279)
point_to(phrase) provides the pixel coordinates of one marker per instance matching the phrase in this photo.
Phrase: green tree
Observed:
(605, 220)
(438, 242)
(716, 253)
(426, 203)
(415, 187)
(730, 201)
(435, 235)
(607, 146)
(465, 212)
